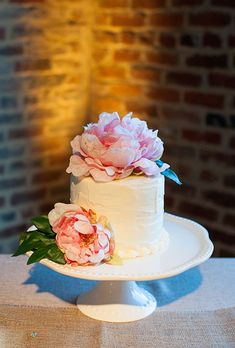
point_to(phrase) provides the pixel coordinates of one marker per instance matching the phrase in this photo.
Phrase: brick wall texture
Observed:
(171, 62)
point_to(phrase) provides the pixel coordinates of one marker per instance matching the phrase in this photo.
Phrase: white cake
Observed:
(134, 207)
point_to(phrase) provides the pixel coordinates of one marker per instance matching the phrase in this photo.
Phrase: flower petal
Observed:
(147, 166)
(60, 209)
(83, 227)
(77, 166)
(92, 146)
(100, 175)
(122, 153)
(76, 145)
(96, 258)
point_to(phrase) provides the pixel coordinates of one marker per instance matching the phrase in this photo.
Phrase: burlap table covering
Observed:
(40, 327)
(196, 309)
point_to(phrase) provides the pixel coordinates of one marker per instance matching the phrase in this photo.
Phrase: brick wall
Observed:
(169, 61)
(172, 61)
(44, 76)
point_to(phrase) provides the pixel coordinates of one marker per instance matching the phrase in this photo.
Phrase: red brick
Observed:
(125, 55)
(148, 4)
(111, 72)
(11, 183)
(164, 94)
(146, 37)
(57, 159)
(141, 108)
(207, 99)
(126, 20)
(212, 138)
(167, 40)
(28, 196)
(48, 176)
(2, 33)
(187, 2)
(102, 19)
(46, 146)
(46, 207)
(105, 36)
(229, 220)
(183, 78)
(32, 65)
(224, 3)
(113, 3)
(13, 50)
(19, 133)
(192, 135)
(197, 210)
(168, 202)
(125, 90)
(166, 20)
(231, 41)
(229, 180)
(220, 235)
(108, 103)
(145, 73)
(190, 40)
(163, 58)
(222, 80)
(27, 213)
(185, 190)
(226, 252)
(232, 142)
(2, 201)
(128, 37)
(222, 199)
(217, 157)
(210, 19)
(178, 115)
(26, 1)
(99, 55)
(207, 61)
(208, 176)
(179, 151)
(211, 40)
(12, 231)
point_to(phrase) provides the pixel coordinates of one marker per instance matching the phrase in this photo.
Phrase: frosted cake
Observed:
(116, 208)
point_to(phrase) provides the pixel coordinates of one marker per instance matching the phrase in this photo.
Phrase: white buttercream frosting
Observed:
(134, 207)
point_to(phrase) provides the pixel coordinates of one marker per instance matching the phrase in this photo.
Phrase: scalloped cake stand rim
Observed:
(189, 246)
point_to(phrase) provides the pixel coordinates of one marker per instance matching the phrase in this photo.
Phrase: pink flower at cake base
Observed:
(114, 149)
(79, 235)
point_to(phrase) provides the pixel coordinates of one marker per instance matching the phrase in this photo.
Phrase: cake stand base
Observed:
(117, 301)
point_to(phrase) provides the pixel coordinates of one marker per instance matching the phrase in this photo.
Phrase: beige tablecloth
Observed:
(195, 309)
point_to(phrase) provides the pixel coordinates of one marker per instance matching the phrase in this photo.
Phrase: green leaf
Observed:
(23, 236)
(39, 254)
(50, 252)
(56, 255)
(32, 240)
(159, 163)
(43, 225)
(115, 260)
(169, 173)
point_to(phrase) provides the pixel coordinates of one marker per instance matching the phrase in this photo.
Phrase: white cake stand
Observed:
(117, 298)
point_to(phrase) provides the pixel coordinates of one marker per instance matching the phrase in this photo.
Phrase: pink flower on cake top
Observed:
(114, 148)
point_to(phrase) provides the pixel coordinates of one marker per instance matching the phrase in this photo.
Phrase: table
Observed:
(195, 309)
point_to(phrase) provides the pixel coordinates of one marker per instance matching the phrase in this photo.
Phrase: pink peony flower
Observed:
(82, 238)
(114, 149)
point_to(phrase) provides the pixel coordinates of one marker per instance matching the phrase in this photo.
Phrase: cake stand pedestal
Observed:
(117, 298)
(117, 301)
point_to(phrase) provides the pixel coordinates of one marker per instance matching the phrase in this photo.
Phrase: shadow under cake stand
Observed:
(117, 297)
